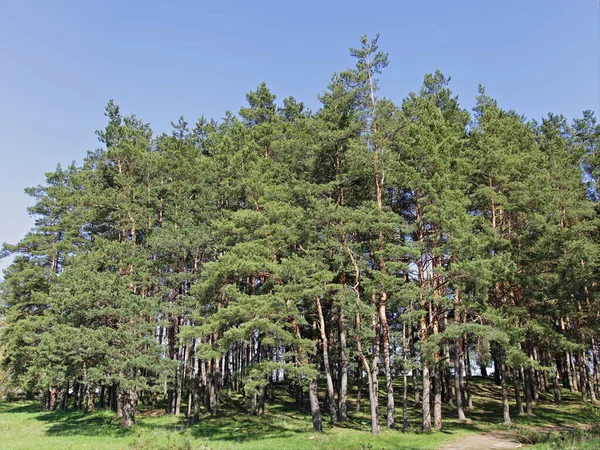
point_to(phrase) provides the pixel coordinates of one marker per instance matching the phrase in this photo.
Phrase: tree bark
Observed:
(325, 345)
(129, 400)
(518, 399)
(343, 404)
(505, 406)
(437, 403)
(457, 387)
(314, 406)
(391, 408)
(426, 403)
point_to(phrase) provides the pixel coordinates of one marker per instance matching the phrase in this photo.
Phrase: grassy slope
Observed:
(23, 426)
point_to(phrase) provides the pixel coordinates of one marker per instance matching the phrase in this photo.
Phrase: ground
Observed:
(24, 426)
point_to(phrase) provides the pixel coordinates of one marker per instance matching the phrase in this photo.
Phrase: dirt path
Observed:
(487, 441)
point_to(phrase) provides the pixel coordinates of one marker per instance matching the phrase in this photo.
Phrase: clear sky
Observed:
(60, 61)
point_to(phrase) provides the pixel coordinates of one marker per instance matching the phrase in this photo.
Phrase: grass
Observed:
(24, 426)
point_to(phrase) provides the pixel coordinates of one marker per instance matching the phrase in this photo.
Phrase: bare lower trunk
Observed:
(391, 408)
(426, 403)
(261, 400)
(468, 374)
(359, 387)
(555, 382)
(373, 400)
(457, 387)
(129, 402)
(325, 344)
(437, 403)
(505, 406)
(52, 399)
(405, 382)
(314, 406)
(528, 391)
(196, 391)
(343, 406)
(517, 382)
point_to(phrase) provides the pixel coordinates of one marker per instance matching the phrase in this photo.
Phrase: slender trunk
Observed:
(119, 402)
(102, 401)
(178, 381)
(569, 372)
(343, 406)
(405, 381)
(415, 382)
(214, 387)
(426, 403)
(372, 383)
(359, 387)
(497, 370)
(391, 408)
(527, 389)
(505, 406)
(196, 389)
(555, 382)
(517, 383)
(437, 404)
(468, 375)
(325, 345)
(65, 398)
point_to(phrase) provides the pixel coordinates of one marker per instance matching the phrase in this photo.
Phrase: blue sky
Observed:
(62, 60)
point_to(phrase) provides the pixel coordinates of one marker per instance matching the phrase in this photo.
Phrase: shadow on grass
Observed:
(284, 419)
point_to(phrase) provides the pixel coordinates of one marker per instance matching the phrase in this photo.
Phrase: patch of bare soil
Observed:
(495, 440)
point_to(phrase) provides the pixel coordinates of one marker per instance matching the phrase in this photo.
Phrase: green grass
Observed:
(24, 426)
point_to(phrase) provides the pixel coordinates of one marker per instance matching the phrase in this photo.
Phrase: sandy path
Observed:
(488, 441)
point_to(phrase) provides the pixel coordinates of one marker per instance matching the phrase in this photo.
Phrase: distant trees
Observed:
(334, 249)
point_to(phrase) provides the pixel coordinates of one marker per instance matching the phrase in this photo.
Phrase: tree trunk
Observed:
(468, 374)
(359, 387)
(391, 408)
(261, 400)
(129, 400)
(517, 383)
(555, 382)
(405, 381)
(527, 389)
(196, 390)
(457, 387)
(343, 404)
(505, 406)
(426, 403)
(314, 406)
(325, 345)
(437, 404)
(52, 399)
(102, 400)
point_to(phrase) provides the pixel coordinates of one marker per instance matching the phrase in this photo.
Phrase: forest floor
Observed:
(24, 426)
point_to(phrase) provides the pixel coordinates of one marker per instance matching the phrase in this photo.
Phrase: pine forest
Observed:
(369, 256)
